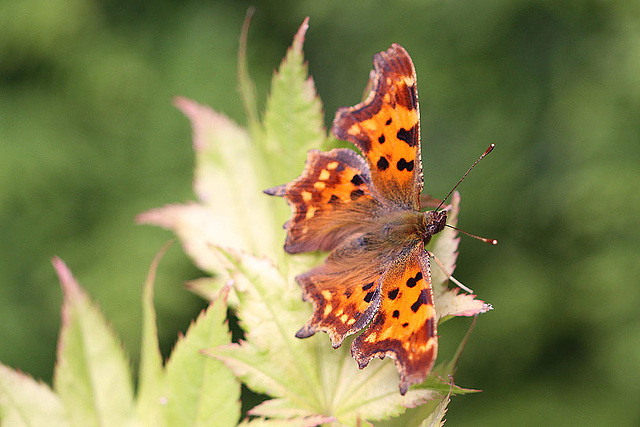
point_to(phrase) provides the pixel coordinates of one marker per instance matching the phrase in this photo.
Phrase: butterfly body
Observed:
(365, 210)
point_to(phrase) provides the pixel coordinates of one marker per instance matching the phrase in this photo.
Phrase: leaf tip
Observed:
(68, 283)
(298, 39)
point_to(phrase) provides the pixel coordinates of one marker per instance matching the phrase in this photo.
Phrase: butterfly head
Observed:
(436, 221)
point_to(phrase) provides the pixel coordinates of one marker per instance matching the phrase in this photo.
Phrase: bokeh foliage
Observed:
(89, 139)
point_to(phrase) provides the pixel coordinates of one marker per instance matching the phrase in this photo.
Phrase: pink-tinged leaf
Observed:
(228, 184)
(198, 228)
(27, 402)
(455, 302)
(151, 373)
(92, 372)
(445, 246)
(200, 390)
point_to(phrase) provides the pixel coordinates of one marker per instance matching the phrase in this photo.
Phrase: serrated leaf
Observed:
(92, 372)
(450, 301)
(270, 310)
(293, 120)
(436, 418)
(209, 289)
(27, 402)
(228, 184)
(151, 374)
(200, 390)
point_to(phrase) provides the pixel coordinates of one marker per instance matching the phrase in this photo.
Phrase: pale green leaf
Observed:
(27, 402)
(199, 390)
(445, 246)
(228, 183)
(293, 118)
(450, 301)
(209, 289)
(151, 372)
(270, 311)
(436, 417)
(92, 372)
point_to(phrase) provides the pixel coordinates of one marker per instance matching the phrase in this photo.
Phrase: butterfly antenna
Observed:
(484, 239)
(487, 151)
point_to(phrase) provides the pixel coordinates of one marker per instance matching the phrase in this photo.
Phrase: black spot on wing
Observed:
(381, 139)
(423, 298)
(395, 314)
(409, 136)
(403, 164)
(412, 281)
(357, 180)
(393, 294)
(367, 286)
(369, 296)
(382, 164)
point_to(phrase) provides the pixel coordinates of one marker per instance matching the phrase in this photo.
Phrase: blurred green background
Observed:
(89, 138)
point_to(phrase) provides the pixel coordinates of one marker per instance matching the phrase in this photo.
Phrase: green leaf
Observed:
(293, 118)
(27, 402)
(436, 417)
(200, 390)
(229, 184)
(92, 372)
(151, 371)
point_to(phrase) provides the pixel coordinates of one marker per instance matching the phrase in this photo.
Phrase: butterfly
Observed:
(365, 210)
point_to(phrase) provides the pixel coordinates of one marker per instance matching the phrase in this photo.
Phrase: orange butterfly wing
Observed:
(386, 128)
(331, 200)
(345, 292)
(404, 327)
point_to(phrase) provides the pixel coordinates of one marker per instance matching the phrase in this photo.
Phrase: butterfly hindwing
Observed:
(345, 296)
(404, 327)
(331, 200)
(386, 128)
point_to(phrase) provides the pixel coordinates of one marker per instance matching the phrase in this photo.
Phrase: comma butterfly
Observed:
(366, 211)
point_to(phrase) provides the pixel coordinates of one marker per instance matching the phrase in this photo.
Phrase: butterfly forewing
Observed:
(386, 128)
(331, 201)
